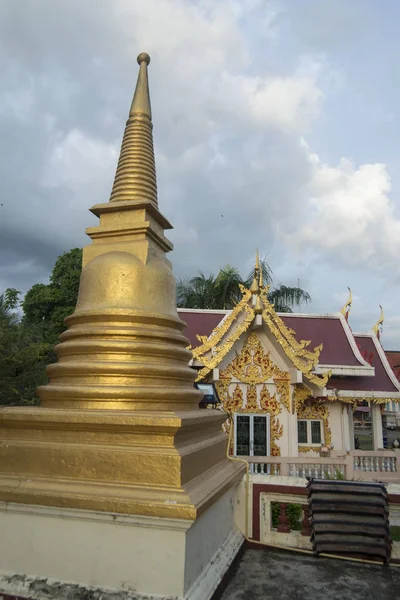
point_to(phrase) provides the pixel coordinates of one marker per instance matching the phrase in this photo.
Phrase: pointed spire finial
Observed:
(260, 281)
(141, 98)
(135, 179)
(254, 289)
(346, 308)
(378, 325)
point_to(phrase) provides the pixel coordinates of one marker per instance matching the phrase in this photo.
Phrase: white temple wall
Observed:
(338, 422)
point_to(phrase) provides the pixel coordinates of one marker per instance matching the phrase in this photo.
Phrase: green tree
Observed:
(11, 298)
(223, 291)
(23, 355)
(48, 305)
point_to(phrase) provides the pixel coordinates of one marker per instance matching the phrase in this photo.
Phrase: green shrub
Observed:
(294, 514)
(395, 533)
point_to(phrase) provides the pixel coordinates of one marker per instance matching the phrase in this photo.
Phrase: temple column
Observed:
(293, 445)
(346, 432)
(350, 418)
(376, 424)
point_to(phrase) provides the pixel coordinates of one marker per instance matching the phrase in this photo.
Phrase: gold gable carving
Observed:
(213, 349)
(302, 358)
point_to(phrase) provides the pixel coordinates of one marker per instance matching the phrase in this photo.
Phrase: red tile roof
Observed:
(381, 382)
(328, 331)
(393, 357)
(199, 323)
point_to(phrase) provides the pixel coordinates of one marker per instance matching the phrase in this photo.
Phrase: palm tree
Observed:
(223, 291)
(284, 297)
(8, 318)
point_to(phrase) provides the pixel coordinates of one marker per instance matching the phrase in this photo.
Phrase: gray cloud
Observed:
(235, 88)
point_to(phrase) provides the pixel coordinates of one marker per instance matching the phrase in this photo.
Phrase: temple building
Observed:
(291, 384)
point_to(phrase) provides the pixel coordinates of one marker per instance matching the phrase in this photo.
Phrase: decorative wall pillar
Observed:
(376, 423)
(346, 433)
(293, 446)
(350, 421)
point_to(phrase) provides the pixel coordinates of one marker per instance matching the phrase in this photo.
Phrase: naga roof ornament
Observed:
(347, 307)
(377, 328)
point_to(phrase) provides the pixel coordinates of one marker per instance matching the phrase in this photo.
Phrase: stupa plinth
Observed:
(118, 443)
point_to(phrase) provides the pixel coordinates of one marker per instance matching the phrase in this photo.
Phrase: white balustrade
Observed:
(347, 466)
(376, 464)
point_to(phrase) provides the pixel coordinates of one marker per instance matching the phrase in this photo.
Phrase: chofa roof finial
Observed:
(346, 308)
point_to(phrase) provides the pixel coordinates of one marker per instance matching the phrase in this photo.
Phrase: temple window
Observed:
(309, 432)
(252, 435)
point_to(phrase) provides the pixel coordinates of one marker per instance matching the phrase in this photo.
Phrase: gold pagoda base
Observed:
(170, 464)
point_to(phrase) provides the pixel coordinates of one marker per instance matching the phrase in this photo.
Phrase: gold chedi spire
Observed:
(124, 347)
(135, 178)
(119, 427)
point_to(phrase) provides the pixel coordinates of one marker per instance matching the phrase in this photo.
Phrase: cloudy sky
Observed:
(276, 125)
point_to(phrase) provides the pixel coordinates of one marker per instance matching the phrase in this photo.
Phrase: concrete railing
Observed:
(355, 465)
(377, 462)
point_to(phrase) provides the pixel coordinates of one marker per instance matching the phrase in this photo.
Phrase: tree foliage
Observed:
(223, 291)
(24, 354)
(27, 343)
(48, 305)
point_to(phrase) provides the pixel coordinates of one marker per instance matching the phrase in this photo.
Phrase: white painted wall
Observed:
(213, 538)
(337, 420)
(148, 556)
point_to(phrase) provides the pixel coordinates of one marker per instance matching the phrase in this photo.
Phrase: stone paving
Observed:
(278, 575)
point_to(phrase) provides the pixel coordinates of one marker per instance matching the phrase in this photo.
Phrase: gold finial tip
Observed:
(143, 57)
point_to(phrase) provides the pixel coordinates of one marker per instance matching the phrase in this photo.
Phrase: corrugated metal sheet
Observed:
(349, 518)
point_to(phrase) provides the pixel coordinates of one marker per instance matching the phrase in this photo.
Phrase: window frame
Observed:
(309, 438)
(251, 431)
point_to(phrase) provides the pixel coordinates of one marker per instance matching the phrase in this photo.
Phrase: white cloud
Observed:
(289, 103)
(75, 160)
(349, 214)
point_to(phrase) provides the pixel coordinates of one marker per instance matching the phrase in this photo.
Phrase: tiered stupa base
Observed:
(170, 534)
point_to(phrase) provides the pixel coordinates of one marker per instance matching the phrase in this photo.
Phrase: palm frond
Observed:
(285, 297)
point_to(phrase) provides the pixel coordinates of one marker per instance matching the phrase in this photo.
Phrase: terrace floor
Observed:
(278, 575)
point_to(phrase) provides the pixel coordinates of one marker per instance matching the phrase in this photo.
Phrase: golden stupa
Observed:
(118, 428)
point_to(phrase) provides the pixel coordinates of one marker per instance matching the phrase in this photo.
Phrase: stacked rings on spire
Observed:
(135, 178)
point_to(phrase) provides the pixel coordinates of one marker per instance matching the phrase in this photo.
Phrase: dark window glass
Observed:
(315, 432)
(243, 435)
(302, 432)
(260, 436)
